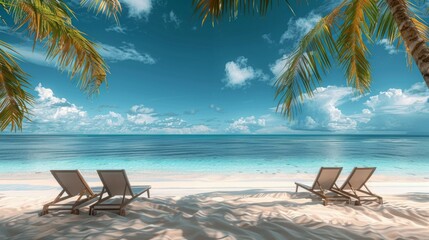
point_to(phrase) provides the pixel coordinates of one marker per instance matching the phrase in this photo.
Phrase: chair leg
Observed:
(296, 190)
(122, 212)
(148, 194)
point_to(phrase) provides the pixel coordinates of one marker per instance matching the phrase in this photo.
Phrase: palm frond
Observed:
(110, 8)
(50, 22)
(305, 64)
(360, 19)
(14, 97)
(214, 9)
(386, 27)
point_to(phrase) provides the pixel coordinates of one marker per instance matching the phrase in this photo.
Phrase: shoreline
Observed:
(182, 184)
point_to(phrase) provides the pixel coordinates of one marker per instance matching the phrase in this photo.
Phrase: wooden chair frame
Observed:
(55, 205)
(99, 205)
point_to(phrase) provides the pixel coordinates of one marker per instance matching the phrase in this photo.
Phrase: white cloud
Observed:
(238, 73)
(4, 29)
(141, 115)
(114, 54)
(112, 119)
(404, 110)
(322, 112)
(391, 110)
(116, 28)
(299, 27)
(124, 53)
(398, 101)
(197, 129)
(46, 95)
(267, 38)
(53, 110)
(246, 125)
(388, 46)
(138, 8)
(279, 66)
(399, 110)
(171, 18)
(35, 56)
(52, 114)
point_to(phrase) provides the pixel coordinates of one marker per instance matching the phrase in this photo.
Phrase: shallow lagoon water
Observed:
(403, 155)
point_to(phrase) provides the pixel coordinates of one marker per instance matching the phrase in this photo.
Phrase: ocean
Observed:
(404, 155)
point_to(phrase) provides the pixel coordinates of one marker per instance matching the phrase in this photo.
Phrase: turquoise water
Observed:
(404, 155)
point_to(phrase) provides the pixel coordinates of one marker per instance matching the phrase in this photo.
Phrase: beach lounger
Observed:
(75, 186)
(323, 185)
(355, 186)
(115, 183)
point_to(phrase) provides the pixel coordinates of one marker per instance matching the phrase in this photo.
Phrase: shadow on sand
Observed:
(251, 214)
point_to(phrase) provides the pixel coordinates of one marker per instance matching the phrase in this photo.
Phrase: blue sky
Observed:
(170, 75)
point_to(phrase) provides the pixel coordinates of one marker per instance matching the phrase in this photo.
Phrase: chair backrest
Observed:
(71, 181)
(357, 178)
(327, 177)
(115, 181)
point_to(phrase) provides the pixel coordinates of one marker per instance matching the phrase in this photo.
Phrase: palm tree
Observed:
(48, 22)
(340, 36)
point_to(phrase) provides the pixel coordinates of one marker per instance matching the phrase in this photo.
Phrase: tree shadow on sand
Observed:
(251, 214)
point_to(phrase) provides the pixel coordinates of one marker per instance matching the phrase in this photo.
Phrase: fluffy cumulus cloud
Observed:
(52, 114)
(392, 110)
(246, 125)
(141, 115)
(239, 73)
(50, 111)
(279, 66)
(322, 111)
(171, 18)
(297, 28)
(399, 102)
(138, 8)
(123, 53)
(112, 119)
(399, 110)
(388, 46)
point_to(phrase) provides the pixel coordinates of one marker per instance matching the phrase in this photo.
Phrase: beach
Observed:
(221, 206)
(217, 187)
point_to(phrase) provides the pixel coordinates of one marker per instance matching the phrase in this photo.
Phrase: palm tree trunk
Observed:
(413, 41)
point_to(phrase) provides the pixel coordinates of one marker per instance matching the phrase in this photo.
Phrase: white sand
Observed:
(218, 207)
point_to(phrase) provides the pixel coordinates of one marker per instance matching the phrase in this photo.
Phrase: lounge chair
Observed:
(354, 184)
(324, 183)
(74, 185)
(115, 183)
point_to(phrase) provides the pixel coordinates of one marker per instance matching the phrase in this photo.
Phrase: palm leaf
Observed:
(216, 8)
(110, 8)
(50, 22)
(306, 63)
(360, 18)
(14, 97)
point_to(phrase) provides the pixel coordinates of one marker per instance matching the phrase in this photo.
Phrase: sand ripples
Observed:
(227, 215)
